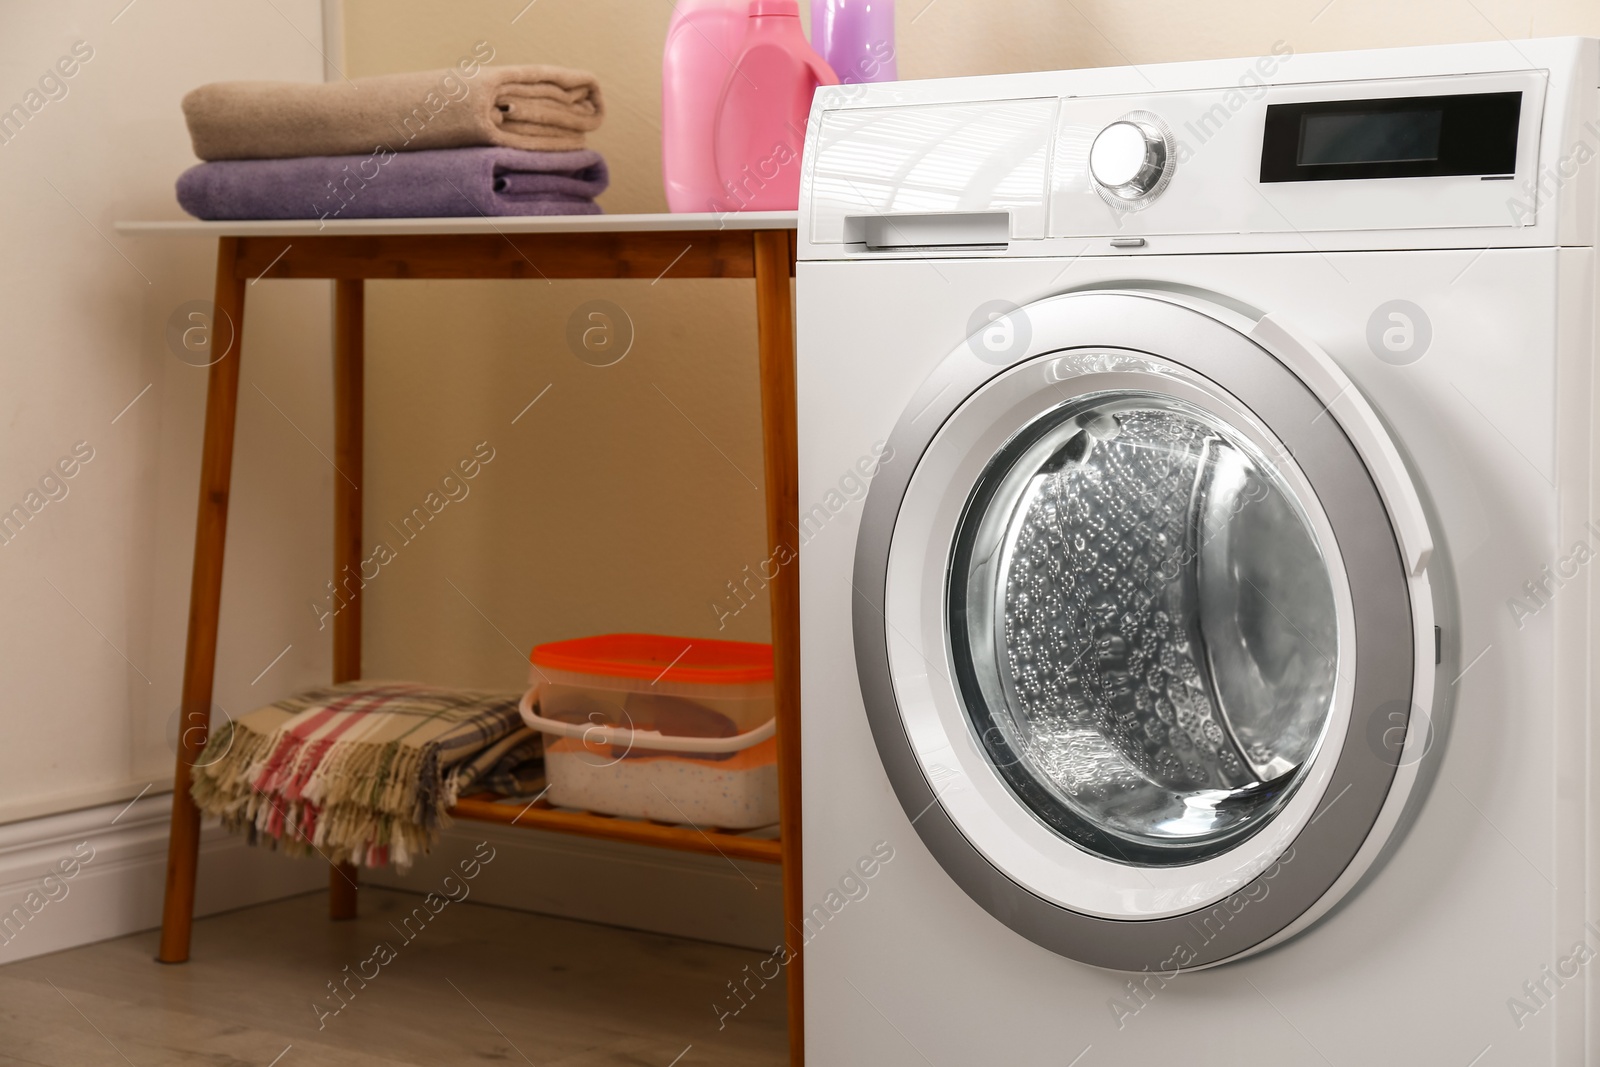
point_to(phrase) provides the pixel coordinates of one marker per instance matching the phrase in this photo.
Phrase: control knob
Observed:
(1131, 160)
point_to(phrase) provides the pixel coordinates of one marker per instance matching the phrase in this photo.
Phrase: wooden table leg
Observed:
(775, 329)
(205, 601)
(349, 408)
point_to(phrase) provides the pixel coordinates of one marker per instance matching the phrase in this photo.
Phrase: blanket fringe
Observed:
(354, 802)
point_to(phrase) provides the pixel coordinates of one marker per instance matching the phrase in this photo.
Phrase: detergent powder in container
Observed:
(674, 729)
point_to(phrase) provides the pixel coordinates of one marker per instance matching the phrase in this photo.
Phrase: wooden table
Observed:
(758, 246)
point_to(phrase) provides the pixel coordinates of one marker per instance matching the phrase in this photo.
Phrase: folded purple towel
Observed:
(440, 183)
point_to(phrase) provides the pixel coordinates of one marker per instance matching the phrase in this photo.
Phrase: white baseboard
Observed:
(658, 890)
(119, 890)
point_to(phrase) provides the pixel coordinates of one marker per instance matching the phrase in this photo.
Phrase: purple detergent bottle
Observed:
(856, 37)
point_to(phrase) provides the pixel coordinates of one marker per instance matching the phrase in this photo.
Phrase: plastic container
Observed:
(760, 127)
(855, 38)
(668, 728)
(703, 38)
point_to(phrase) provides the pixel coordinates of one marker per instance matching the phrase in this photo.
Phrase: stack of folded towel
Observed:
(497, 141)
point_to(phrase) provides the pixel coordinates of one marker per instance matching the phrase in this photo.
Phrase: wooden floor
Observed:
(475, 984)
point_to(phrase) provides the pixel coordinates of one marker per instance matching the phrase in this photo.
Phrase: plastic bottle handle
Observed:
(643, 739)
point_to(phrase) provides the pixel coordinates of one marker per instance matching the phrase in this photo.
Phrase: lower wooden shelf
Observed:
(539, 815)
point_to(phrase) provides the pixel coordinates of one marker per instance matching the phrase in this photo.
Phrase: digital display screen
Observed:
(1370, 137)
(1456, 134)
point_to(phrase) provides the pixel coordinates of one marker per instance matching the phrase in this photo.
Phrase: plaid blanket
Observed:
(362, 772)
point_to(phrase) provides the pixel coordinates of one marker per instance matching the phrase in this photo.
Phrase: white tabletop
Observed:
(659, 222)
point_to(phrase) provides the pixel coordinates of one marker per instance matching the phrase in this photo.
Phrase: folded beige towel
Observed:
(534, 107)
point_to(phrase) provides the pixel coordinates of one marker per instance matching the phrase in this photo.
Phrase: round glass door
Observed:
(1126, 613)
(1144, 628)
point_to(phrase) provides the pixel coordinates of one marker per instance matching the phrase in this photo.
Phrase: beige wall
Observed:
(627, 497)
(607, 507)
(95, 587)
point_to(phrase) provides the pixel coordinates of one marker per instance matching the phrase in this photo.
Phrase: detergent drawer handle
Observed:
(988, 230)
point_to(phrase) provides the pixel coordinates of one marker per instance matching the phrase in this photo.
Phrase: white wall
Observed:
(95, 587)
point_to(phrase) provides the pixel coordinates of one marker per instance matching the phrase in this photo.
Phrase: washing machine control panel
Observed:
(1131, 160)
(1230, 163)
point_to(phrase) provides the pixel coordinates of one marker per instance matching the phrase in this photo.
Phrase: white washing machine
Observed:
(1195, 474)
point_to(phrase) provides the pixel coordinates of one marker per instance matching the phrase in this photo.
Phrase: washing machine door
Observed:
(1143, 627)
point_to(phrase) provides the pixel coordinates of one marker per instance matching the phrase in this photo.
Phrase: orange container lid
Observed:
(657, 656)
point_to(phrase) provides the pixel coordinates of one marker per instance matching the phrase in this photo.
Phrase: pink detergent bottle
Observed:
(760, 125)
(703, 41)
